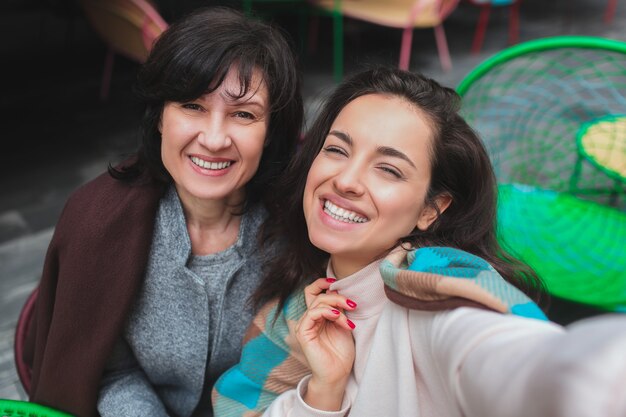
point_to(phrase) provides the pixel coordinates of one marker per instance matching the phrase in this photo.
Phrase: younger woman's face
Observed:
(367, 186)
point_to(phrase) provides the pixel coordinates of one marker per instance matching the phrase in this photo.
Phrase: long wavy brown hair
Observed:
(460, 168)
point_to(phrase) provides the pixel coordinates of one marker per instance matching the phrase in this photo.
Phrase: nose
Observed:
(214, 135)
(349, 180)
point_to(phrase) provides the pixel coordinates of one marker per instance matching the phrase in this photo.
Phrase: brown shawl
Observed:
(93, 270)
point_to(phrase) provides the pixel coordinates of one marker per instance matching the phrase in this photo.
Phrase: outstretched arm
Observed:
(518, 367)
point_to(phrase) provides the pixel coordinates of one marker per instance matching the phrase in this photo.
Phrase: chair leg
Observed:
(481, 28)
(338, 46)
(442, 47)
(247, 7)
(106, 75)
(573, 181)
(405, 48)
(610, 11)
(514, 23)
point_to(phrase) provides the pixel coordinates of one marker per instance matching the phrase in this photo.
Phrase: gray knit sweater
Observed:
(188, 322)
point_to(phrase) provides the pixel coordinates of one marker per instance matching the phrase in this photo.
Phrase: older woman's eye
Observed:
(192, 106)
(245, 115)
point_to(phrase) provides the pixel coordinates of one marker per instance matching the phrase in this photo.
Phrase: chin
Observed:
(324, 243)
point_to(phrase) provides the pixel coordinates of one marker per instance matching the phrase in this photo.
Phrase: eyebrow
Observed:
(383, 150)
(248, 99)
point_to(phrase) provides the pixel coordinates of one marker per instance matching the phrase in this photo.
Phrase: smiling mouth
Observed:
(342, 214)
(210, 165)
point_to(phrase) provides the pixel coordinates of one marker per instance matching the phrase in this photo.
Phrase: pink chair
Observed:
(609, 13)
(483, 20)
(21, 330)
(127, 27)
(403, 14)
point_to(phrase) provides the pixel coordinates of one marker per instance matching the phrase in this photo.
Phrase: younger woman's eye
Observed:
(392, 171)
(334, 150)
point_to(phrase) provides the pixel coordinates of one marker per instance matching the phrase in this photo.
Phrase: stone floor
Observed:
(58, 134)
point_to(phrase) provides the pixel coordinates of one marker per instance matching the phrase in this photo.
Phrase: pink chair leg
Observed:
(106, 74)
(405, 49)
(514, 23)
(442, 47)
(610, 11)
(481, 28)
(23, 322)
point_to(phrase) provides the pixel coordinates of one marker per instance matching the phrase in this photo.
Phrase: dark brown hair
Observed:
(460, 168)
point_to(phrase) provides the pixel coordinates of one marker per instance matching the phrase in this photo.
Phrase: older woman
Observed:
(142, 302)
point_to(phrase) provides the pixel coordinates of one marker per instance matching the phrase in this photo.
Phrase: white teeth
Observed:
(210, 165)
(342, 214)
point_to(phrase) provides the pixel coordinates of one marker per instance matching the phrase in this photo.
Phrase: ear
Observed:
(429, 213)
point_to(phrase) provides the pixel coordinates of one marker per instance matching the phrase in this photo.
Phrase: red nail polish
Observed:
(331, 279)
(352, 325)
(335, 311)
(351, 303)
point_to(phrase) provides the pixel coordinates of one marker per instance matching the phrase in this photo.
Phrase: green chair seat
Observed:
(578, 247)
(11, 408)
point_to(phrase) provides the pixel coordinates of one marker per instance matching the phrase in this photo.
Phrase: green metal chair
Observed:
(14, 408)
(552, 115)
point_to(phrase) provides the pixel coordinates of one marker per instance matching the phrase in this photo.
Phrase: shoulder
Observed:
(107, 191)
(444, 278)
(252, 241)
(106, 202)
(277, 323)
(271, 362)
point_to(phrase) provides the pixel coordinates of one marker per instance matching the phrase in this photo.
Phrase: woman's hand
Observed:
(324, 333)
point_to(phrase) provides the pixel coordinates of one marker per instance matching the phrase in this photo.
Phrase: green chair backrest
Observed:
(530, 102)
(562, 199)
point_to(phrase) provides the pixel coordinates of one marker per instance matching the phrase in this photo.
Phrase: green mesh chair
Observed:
(552, 114)
(11, 408)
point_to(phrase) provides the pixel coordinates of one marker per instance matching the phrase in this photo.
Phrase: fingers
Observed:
(316, 288)
(334, 300)
(318, 293)
(317, 315)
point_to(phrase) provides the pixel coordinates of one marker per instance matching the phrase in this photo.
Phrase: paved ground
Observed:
(57, 134)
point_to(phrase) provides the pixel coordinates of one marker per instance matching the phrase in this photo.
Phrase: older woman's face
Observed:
(212, 146)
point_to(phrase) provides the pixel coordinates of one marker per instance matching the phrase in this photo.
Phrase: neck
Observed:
(344, 267)
(212, 224)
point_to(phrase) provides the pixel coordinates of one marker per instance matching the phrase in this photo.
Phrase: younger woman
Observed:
(436, 326)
